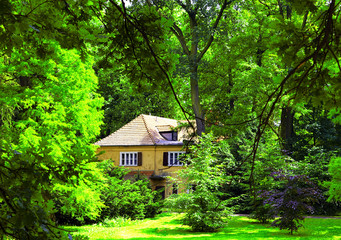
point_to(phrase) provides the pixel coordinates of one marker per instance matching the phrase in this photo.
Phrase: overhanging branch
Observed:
(215, 25)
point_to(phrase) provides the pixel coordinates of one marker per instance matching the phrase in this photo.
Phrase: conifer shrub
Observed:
(205, 205)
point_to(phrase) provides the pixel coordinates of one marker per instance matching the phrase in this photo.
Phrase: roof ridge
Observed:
(153, 116)
(147, 128)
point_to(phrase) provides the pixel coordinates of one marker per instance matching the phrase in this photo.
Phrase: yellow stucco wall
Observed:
(152, 160)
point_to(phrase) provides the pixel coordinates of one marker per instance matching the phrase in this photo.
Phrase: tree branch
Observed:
(146, 39)
(179, 35)
(210, 40)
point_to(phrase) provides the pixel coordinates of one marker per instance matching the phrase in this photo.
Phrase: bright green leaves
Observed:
(80, 197)
(52, 118)
(335, 184)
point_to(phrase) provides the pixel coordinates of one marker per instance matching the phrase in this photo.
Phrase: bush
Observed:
(292, 201)
(127, 198)
(204, 211)
(335, 183)
(79, 201)
(78, 237)
(263, 213)
(117, 222)
(104, 194)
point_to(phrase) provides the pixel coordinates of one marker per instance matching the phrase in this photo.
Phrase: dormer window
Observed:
(168, 133)
(170, 136)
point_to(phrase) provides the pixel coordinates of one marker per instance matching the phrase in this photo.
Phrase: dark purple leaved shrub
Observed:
(292, 200)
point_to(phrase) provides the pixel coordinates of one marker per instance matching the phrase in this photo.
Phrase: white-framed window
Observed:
(128, 159)
(174, 158)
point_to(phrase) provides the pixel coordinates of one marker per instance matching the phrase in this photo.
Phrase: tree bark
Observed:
(195, 98)
(194, 57)
(287, 128)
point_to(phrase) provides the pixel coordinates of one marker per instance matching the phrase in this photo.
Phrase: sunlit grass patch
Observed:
(167, 227)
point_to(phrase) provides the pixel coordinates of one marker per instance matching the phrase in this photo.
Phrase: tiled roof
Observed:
(142, 131)
(164, 128)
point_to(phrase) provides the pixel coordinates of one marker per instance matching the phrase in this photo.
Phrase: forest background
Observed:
(262, 77)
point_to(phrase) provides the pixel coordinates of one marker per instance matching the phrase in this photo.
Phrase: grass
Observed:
(167, 226)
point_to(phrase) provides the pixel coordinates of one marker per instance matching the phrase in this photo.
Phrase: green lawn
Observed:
(167, 226)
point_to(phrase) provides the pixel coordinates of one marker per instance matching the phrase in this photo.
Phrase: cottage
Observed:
(149, 145)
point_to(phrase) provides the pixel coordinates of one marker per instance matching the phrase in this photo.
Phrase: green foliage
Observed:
(204, 207)
(49, 106)
(79, 237)
(244, 182)
(80, 197)
(263, 212)
(102, 193)
(315, 141)
(335, 184)
(52, 118)
(117, 222)
(314, 133)
(27, 25)
(127, 198)
(124, 100)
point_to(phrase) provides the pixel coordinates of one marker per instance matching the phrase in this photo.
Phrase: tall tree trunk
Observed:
(287, 128)
(195, 97)
(194, 57)
(194, 78)
(287, 115)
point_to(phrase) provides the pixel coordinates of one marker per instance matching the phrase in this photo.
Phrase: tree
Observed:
(131, 198)
(195, 43)
(204, 206)
(292, 200)
(51, 117)
(291, 61)
(194, 31)
(123, 101)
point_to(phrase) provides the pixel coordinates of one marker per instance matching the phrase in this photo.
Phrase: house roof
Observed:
(164, 128)
(141, 131)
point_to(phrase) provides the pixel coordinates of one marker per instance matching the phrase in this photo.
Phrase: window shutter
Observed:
(139, 159)
(165, 158)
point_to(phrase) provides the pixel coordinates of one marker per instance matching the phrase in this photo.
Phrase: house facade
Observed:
(150, 146)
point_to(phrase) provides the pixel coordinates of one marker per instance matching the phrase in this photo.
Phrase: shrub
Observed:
(263, 213)
(127, 198)
(204, 211)
(79, 200)
(335, 183)
(78, 237)
(117, 222)
(292, 201)
(104, 194)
